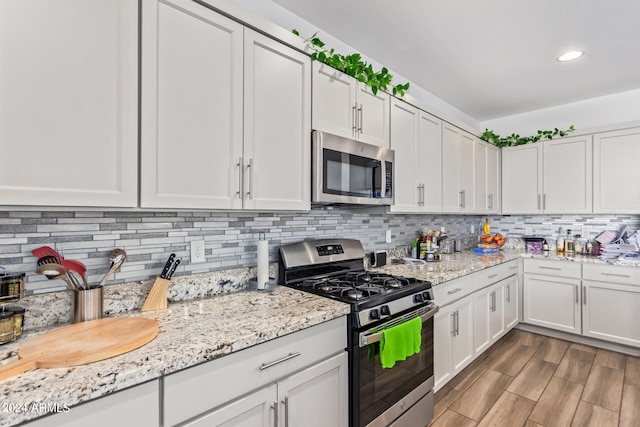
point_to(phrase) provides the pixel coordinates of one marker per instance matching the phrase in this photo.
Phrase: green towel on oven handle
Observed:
(400, 342)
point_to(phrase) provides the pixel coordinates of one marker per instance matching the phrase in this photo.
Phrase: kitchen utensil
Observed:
(117, 258)
(87, 304)
(77, 267)
(157, 299)
(56, 272)
(82, 343)
(47, 251)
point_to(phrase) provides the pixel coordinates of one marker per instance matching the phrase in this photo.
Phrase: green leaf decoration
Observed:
(515, 140)
(354, 66)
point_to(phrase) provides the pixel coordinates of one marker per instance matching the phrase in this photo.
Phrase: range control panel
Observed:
(327, 250)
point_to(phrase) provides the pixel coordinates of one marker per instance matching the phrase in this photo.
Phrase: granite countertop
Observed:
(191, 332)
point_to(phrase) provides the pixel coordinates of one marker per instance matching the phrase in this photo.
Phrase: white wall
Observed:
(595, 112)
(284, 18)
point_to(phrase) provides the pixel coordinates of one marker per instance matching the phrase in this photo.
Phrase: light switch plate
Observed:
(388, 236)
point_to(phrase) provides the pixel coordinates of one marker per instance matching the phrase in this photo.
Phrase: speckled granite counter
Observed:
(191, 332)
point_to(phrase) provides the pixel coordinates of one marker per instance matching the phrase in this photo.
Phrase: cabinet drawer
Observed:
(195, 390)
(451, 291)
(612, 273)
(495, 274)
(553, 268)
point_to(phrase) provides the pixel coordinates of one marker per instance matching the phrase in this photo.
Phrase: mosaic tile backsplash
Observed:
(230, 237)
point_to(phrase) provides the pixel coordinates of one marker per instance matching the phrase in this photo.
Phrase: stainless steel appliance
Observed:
(334, 268)
(350, 172)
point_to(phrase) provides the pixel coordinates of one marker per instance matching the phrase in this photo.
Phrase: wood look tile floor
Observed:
(529, 380)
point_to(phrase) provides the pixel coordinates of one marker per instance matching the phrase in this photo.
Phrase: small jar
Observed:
(18, 319)
(7, 331)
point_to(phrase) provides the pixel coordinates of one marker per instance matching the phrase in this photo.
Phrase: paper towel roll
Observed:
(263, 263)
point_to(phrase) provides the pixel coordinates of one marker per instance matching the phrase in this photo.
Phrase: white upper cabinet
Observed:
(551, 177)
(191, 107)
(345, 107)
(68, 103)
(458, 166)
(616, 173)
(481, 193)
(416, 138)
(522, 179)
(493, 198)
(277, 125)
(225, 117)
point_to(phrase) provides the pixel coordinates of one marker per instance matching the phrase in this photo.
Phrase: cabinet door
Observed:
(482, 304)
(373, 116)
(522, 179)
(334, 101)
(481, 193)
(429, 166)
(191, 107)
(277, 125)
(493, 179)
(407, 188)
(511, 302)
(567, 182)
(68, 103)
(552, 302)
(254, 410)
(496, 312)
(451, 195)
(610, 312)
(135, 406)
(443, 330)
(462, 348)
(317, 396)
(466, 173)
(616, 181)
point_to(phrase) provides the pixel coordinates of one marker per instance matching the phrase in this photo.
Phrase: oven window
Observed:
(350, 175)
(379, 388)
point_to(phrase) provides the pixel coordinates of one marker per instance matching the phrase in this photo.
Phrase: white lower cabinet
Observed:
(552, 302)
(453, 340)
(511, 302)
(314, 397)
(300, 378)
(488, 317)
(136, 406)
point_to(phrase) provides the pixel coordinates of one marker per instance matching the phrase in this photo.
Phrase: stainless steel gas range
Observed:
(398, 396)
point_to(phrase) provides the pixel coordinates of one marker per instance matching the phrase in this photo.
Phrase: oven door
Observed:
(349, 171)
(380, 396)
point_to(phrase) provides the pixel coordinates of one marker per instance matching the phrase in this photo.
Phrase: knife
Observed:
(167, 266)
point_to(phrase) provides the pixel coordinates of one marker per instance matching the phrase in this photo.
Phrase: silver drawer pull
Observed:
(626, 276)
(454, 291)
(491, 276)
(550, 268)
(284, 359)
(513, 268)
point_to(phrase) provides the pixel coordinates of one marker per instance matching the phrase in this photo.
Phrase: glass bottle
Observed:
(568, 243)
(577, 244)
(560, 241)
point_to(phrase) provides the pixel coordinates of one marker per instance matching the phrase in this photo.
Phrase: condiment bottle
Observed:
(560, 241)
(545, 246)
(7, 331)
(577, 243)
(18, 319)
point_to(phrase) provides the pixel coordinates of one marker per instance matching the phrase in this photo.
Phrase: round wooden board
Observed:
(83, 343)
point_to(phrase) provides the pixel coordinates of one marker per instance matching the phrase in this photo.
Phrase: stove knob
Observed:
(417, 298)
(426, 296)
(374, 314)
(384, 310)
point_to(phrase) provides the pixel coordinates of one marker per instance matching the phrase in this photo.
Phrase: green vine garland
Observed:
(515, 139)
(354, 66)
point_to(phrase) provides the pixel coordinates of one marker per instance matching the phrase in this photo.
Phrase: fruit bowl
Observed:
(492, 241)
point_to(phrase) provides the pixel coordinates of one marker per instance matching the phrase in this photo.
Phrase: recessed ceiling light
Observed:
(570, 56)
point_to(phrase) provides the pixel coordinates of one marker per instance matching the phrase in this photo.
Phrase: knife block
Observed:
(157, 298)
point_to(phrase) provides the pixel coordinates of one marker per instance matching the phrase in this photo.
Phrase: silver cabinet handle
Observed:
(423, 195)
(457, 323)
(464, 199)
(491, 276)
(513, 268)
(420, 194)
(284, 359)
(240, 165)
(454, 291)
(576, 288)
(286, 411)
(584, 295)
(493, 301)
(539, 201)
(626, 276)
(549, 268)
(275, 413)
(355, 118)
(508, 293)
(460, 198)
(360, 127)
(488, 201)
(453, 327)
(250, 167)
(544, 201)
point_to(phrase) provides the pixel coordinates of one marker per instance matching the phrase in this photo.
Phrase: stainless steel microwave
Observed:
(351, 172)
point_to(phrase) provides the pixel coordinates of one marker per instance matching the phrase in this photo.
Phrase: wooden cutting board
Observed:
(82, 343)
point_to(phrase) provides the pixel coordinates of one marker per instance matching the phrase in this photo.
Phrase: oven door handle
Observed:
(369, 337)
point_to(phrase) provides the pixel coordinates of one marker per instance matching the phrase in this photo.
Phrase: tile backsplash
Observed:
(230, 237)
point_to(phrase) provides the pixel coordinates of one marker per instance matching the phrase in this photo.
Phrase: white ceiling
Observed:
(492, 58)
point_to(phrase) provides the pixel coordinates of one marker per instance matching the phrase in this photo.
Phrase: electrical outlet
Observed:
(473, 229)
(528, 231)
(197, 251)
(388, 236)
